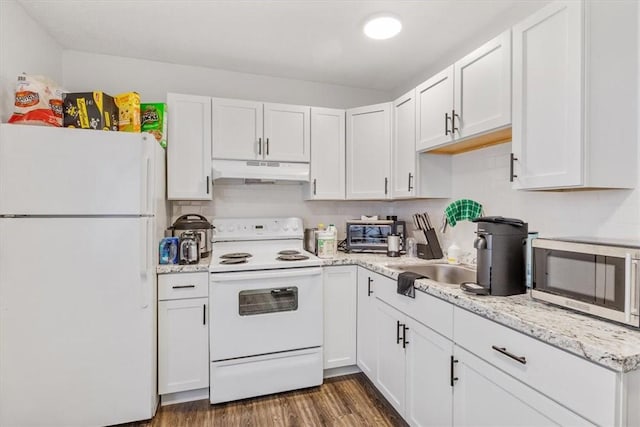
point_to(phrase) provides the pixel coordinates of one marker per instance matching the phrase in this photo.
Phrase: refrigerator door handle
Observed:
(145, 292)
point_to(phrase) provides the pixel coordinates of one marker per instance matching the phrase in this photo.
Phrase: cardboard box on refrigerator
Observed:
(90, 110)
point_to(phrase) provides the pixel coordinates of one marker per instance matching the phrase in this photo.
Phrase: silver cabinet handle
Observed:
(503, 350)
(512, 175)
(410, 179)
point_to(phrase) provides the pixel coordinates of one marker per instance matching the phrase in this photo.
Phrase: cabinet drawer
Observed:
(584, 387)
(426, 309)
(183, 285)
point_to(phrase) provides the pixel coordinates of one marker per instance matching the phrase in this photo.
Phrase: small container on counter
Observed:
(325, 241)
(169, 250)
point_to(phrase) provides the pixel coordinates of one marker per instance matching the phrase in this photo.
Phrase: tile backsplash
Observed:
(481, 175)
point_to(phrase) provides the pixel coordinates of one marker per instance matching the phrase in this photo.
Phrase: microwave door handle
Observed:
(627, 288)
(635, 311)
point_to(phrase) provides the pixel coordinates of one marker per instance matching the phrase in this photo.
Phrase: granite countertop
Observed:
(203, 265)
(611, 345)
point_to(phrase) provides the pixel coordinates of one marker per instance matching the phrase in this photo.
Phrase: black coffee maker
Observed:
(501, 255)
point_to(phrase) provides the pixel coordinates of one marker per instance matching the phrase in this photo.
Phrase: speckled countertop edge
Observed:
(607, 344)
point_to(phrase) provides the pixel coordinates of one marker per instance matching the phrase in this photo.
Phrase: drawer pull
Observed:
(183, 286)
(504, 351)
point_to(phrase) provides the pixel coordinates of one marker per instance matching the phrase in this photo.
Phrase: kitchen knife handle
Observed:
(410, 179)
(513, 158)
(260, 146)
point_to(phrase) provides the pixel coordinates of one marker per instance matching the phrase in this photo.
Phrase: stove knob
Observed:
(231, 227)
(285, 227)
(294, 226)
(220, 228)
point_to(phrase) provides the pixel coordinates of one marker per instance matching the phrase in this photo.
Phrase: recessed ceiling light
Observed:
(382, 27)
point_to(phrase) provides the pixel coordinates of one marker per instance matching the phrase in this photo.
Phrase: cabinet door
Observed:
(340, 301)
(483, 88)
(485, 396)
(429, 392)
(434, 103)
(327, 154)
(547, 97)
(189, 147)
(403, 147)
(368, 152)
(366, 329)
(390, 376)
(183, 345)
(237, 129)
(287, 133)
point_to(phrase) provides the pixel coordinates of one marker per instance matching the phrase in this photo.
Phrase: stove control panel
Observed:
(227, 229)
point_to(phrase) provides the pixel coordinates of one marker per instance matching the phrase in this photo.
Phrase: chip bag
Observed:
(154, 121)
(38, 101)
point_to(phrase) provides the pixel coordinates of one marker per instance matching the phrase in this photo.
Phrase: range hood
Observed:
(260, 171)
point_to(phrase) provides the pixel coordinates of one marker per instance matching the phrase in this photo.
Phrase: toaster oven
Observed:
(371, 235)
(598, 277)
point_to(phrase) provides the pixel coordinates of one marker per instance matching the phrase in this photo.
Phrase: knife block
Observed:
(432, 249)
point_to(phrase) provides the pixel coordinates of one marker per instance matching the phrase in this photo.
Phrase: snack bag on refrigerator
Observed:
(38, 101)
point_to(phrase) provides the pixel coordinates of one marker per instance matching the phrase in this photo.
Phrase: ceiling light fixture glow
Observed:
(382, 27)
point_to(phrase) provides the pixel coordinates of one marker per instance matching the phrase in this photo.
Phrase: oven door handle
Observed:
(265, 274)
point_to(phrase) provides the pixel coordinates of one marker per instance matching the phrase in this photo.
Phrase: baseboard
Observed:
(343, 370)
(184, 396)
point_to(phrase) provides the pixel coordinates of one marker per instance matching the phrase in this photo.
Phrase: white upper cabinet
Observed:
(469, 98)
(249, 130)
(482, 91)
(286, 133)
(574, 96)
(368, 152)
(434, 109)
(403, 147)
(189, 147)
(327, 154)
(237, 129)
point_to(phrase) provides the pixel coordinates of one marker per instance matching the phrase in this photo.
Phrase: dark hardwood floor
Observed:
(349, 400)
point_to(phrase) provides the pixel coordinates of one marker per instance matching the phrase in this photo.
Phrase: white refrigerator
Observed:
(81, 212)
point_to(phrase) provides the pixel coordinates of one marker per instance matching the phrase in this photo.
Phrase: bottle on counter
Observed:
(332, 229)
(325, 241)
(453, 254)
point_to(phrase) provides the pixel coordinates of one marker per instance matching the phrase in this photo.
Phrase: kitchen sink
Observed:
(445, 273)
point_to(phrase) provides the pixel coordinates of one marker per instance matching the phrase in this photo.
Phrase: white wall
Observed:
(152, 80)
(24, 47)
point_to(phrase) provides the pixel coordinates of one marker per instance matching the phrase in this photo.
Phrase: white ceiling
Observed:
(316, 40)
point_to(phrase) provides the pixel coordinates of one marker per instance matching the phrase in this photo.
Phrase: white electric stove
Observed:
(265, 304)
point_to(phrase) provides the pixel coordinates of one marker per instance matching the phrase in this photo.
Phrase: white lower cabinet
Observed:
(485, 396)
(340, 299)
(367, 355)
(390, 345)
(183, 333)
(473, 371)
(429, 398)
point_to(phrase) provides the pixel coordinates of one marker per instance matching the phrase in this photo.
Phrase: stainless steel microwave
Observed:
(371, 235)
(594, 276)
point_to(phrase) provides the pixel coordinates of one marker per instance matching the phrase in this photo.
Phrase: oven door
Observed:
(368, 236)
(267, 311)
(595, 279)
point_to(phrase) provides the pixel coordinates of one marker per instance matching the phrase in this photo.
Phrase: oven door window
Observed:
(594, 279)
(262, 301)
(369, 234)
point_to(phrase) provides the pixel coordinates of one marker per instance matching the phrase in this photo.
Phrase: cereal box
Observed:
(90, 110)
(129, 107)
(154, 121)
